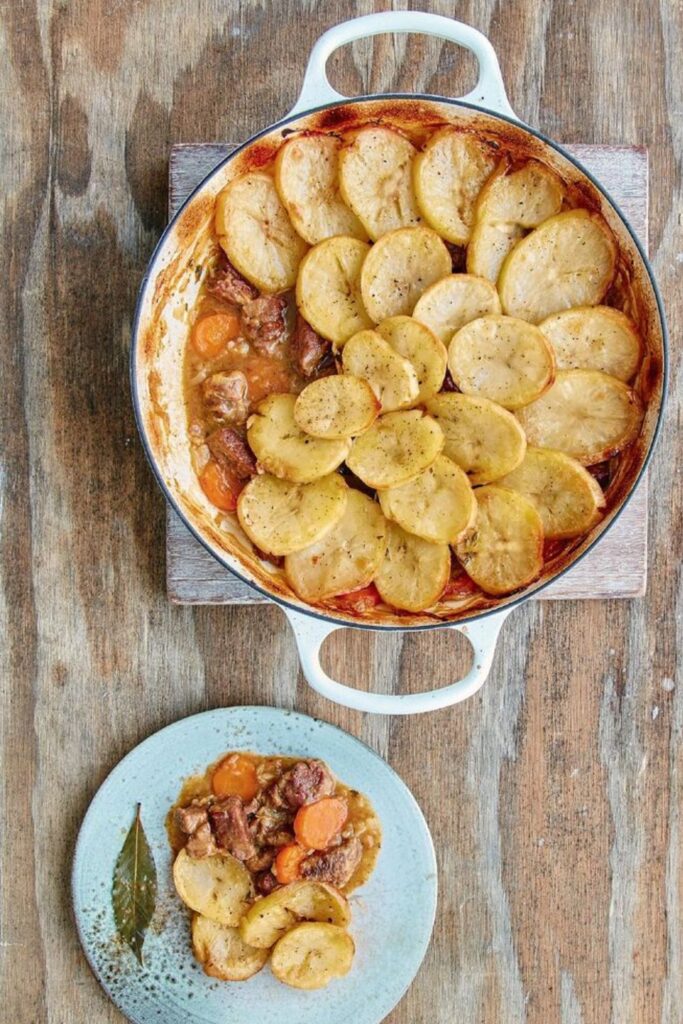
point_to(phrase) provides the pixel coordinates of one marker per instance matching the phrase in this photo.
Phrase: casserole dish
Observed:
(172, 283)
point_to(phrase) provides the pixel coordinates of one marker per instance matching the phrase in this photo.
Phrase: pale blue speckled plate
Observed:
(393, 914)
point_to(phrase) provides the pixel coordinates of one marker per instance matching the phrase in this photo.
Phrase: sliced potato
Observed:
(279, 516)
(269, 918)
(392, 378)
(328, 288)
(222, 952)
(481, 437)
(423, 350)
(283, 449)
(453, 302)
(568, 261)
(396, 448)
(504, 550)
(218, 887)
(399, 268)
(414, 571)
(336, 407)
(501, 358)
(256, 233)
(448, 175)
(508, 204)
(312, 954)
(565, 495)
(375, 179)
(438, 505)
(594, 338)
(586, 414)
(306, 177)
(346, 558)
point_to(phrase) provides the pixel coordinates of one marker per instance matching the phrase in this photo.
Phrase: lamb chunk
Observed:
(229, 285)
(262, 860)
(231, 450)
(226, 396)
(231, 829)
(188, 819)
(201, 843)
(307, 347)
(458, 257)
(266, 882)
(263, 322)
(304, 783)
(334, 866)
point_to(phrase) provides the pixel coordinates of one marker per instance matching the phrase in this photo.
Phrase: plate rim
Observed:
(226, 710)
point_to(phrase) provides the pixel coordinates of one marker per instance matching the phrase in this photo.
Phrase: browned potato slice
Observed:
(217, 887)
(396, 448)
(414, 571)
(399, 268)
(392, 378)
(222, 952)
(453, 302)
(338, 406)
(375, 179)
(481, 437)
(279, 516)
(586, 414)
(306, 176)
(568, 261)
(284, 450)
(268, 919)
(504, 551)
(501, 358)
(421, 348)
(346, 558)
(437, 505)
(565, 495)
(594, 338)
(256, 233)
(448, 175)
(328, 288)
(311, 955)
(508, 204)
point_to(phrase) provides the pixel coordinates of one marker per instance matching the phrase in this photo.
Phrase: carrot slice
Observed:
(316, 825)
(235, 776)
(358, 601)
(219, 486)
(211, 333)
(288, 863)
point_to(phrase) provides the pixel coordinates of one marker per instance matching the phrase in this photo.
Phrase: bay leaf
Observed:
(134, 887)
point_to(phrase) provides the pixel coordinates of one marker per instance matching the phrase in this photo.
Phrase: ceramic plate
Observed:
(393, 913)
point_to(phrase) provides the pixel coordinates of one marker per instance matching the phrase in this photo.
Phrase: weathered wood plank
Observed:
(616, 568)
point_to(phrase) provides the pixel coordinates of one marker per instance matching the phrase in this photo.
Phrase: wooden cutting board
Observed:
(617, 567)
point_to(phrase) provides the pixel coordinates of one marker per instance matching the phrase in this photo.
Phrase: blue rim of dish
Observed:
(310, 611)
(261, 708)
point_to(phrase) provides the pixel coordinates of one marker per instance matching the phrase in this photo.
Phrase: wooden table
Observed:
(555, 795)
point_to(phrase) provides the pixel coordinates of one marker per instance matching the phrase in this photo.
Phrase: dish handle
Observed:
(489, 92)
(310, 634)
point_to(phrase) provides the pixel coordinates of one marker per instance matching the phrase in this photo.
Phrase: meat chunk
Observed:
(262, 860)
(231, 450)
(266, 882)
(226, 396)
(201, 843)
(304, 783)
(307, 347)
(458, 257)
(263, 322)
(188, 819)
(231, 828)
(334, 866)
(228, 284)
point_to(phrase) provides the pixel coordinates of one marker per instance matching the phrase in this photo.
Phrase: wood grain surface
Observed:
(555, 796)
(617, 567)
